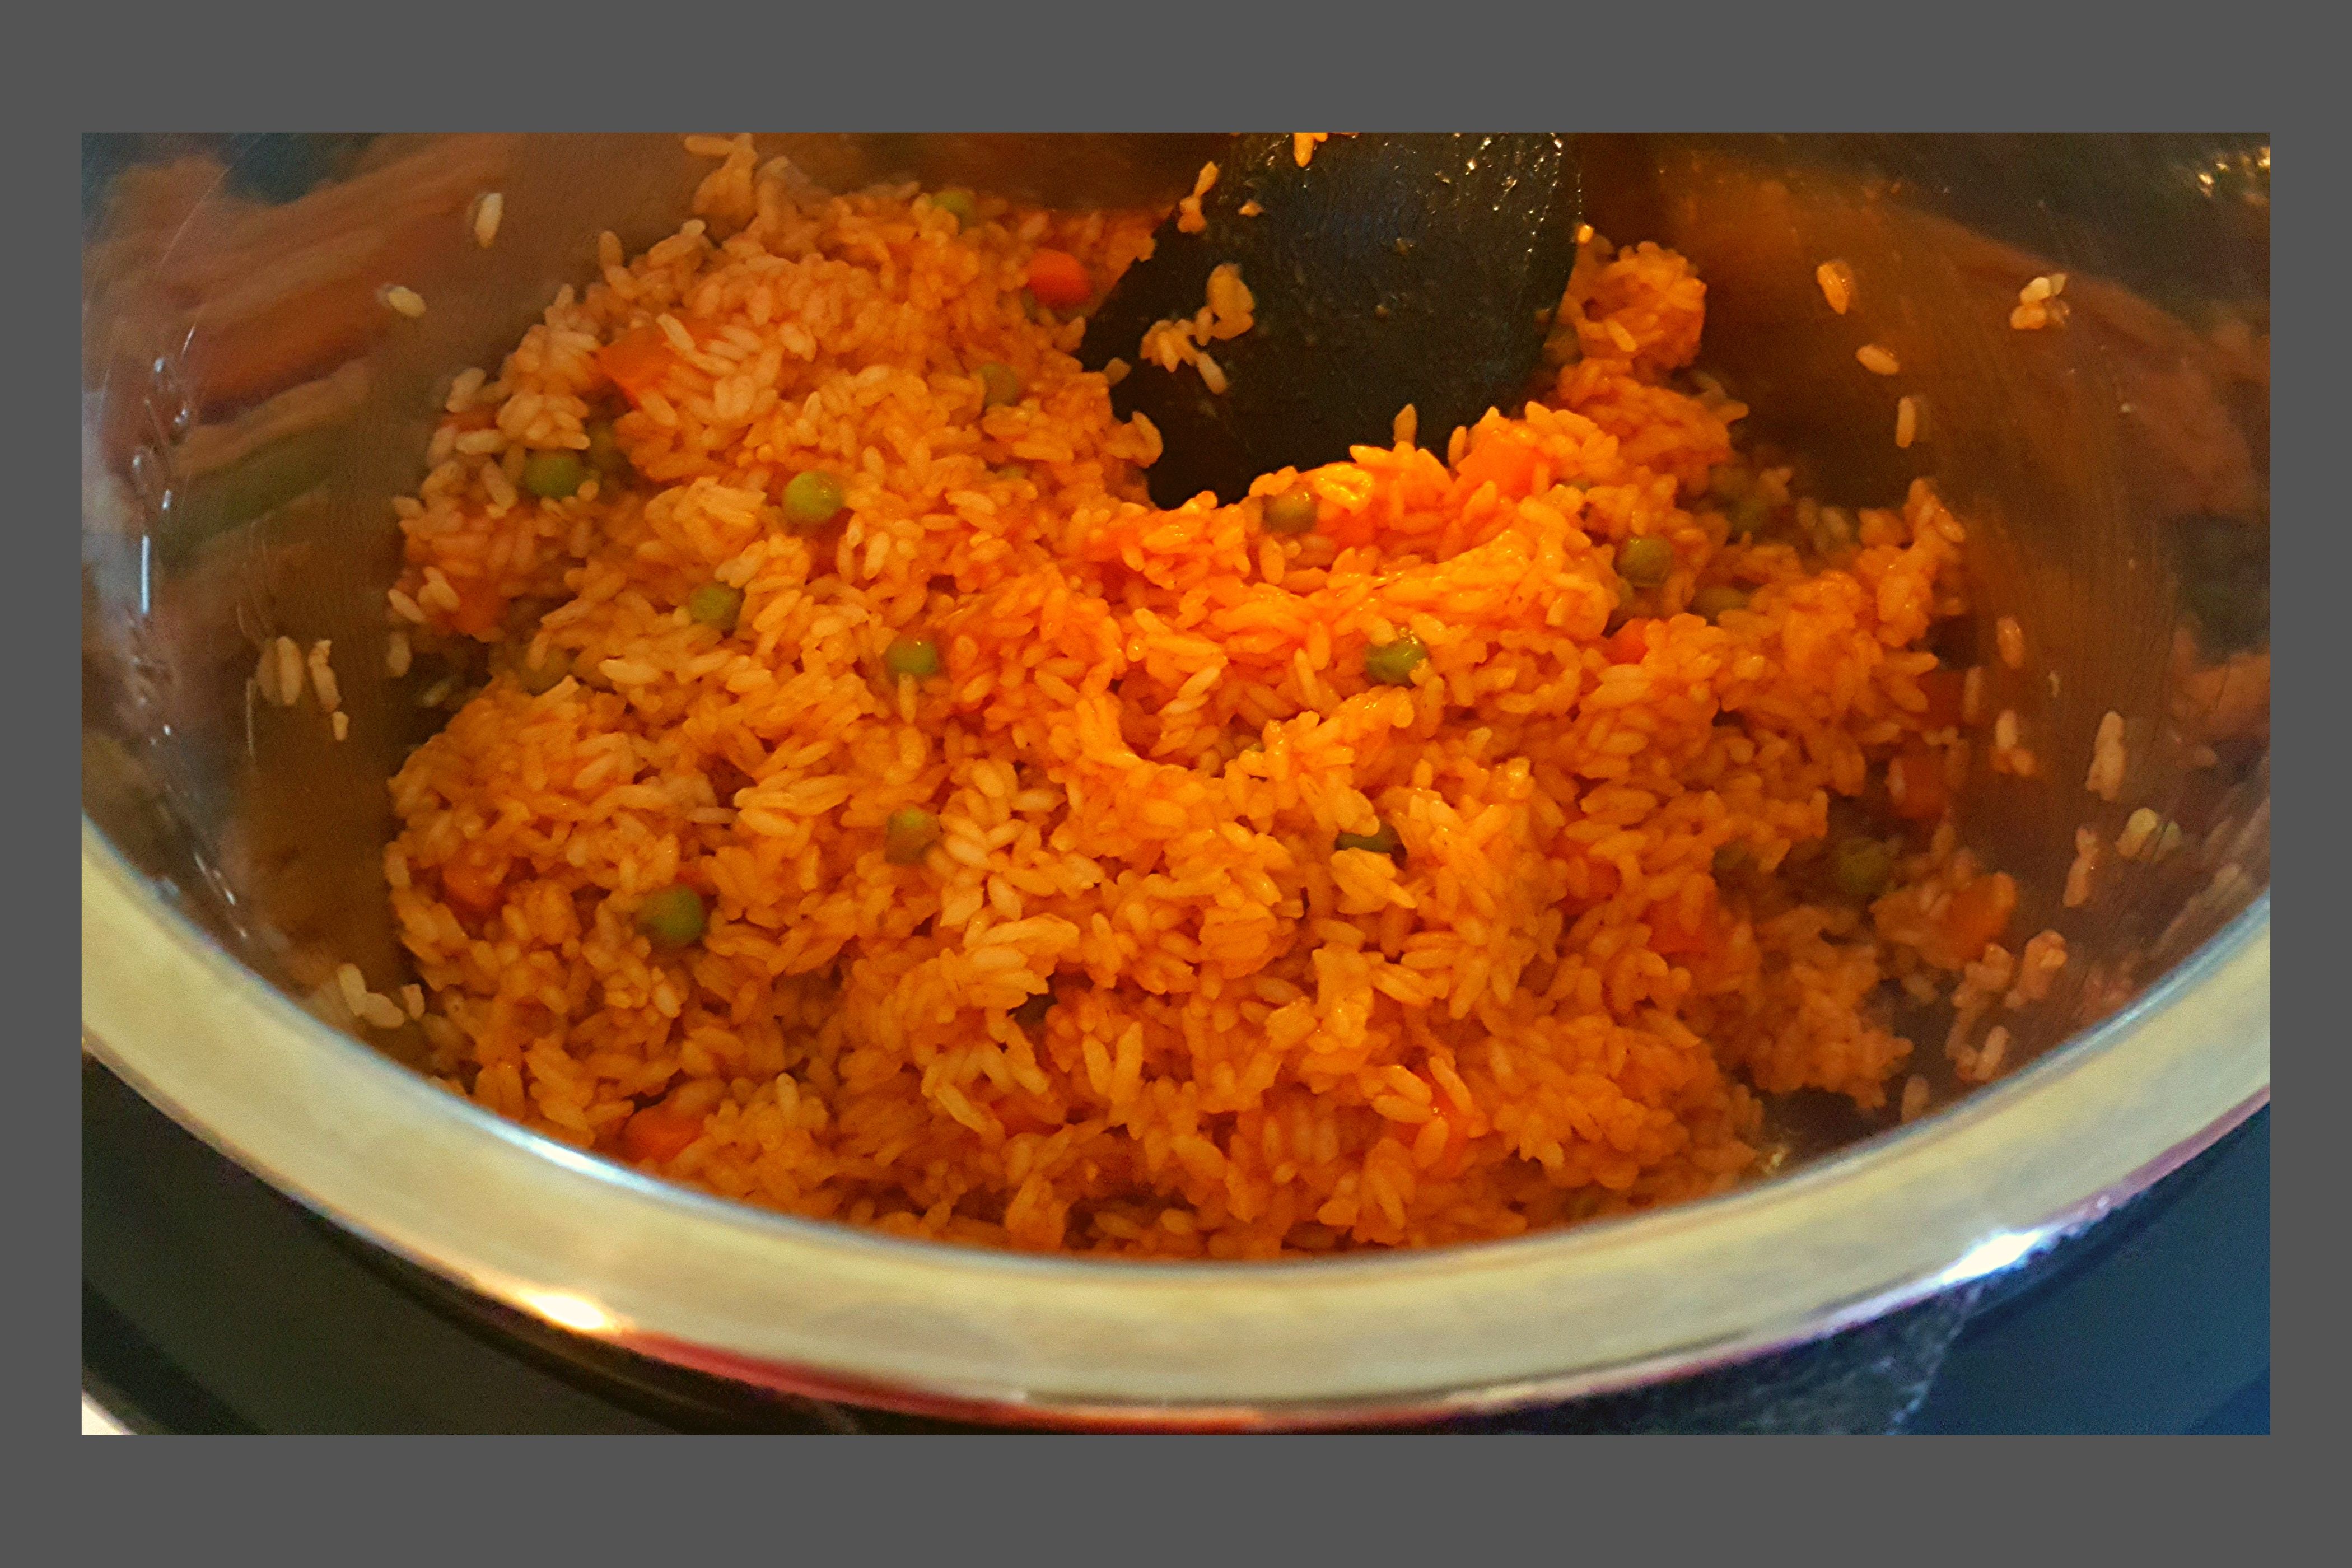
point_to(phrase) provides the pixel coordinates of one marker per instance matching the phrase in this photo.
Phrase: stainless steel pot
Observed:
(249, 404)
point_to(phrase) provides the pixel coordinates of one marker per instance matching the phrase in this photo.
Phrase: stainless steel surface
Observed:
(230, 848)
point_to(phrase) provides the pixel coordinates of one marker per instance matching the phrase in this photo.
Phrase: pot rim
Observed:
(813, 1308)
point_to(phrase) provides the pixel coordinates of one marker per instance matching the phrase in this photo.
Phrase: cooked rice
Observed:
(1836, 279)
(368, 1007)
(489, 208)
(1906, 422)
(405, 300)
(2140, 832)
(290, 671)
(1150, 730)
(2038, 304)
(1189, 216)
(2078, 874)
(322, 675)
(2037, 968)
(2009, 637)
(397, 655)
(1987, 1061)
(1229, 312)
(2106, 779)
(1878, 359)
(1914, 1098)
(340, 723)
(1304, 142)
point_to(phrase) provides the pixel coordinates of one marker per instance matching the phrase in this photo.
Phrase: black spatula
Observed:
(1392, 270)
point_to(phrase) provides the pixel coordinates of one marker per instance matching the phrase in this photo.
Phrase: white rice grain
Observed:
(488, 207)
(322, 675)
(2106, 778)
(2140, 832)
(290, 672)
(1836, 279)
(2009, 638)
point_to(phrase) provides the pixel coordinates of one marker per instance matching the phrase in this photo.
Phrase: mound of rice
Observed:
(1134, 1000)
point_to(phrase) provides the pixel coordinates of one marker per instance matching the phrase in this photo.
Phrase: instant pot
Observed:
(248, 409)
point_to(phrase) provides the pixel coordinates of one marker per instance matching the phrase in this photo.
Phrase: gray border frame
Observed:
(307, 67)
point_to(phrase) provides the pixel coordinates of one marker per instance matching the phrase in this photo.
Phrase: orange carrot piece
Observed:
(476, 881)
(638, 361)
(1978, 914)
(1915, 785)
(658, 1135)
(1059, 280)
(1508, 462)
(1628, 643)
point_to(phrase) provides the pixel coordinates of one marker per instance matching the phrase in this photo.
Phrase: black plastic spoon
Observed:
(1392, 270)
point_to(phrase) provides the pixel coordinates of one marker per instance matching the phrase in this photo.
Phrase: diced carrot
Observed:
(1628, 643)
(480, 612)
(1673, 934)
(1944, 689)
(638, 361)
(1348, 530)
(1915, 784)
(1979, 914)
(1510, 462)
(475, 880)
(658, 1135)
(1059, 280)
(1600, 879)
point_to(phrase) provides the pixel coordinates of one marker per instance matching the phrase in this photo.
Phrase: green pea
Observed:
(604, 454)
(1293, 511)
(1000, 385)
(1383, 842)
(1862, 867)
(1645, 562)
(1747, 516)
(673, 916)
(716, 604)
(917, 656)
(1392, 663)
(1731, 858)
(813, 499)
(1714, 599)
(553, 476)
(961, 203)
(909, 836)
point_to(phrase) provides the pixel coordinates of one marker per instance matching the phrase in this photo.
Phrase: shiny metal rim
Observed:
(817, 1308)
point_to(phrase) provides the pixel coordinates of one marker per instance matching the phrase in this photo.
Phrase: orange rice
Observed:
(1134, 1000)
